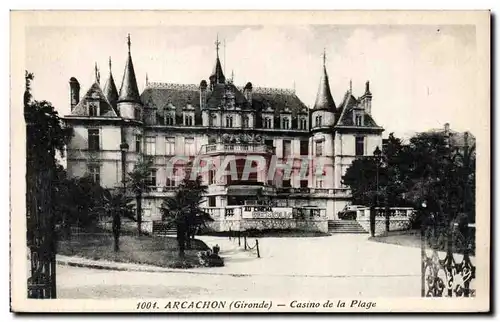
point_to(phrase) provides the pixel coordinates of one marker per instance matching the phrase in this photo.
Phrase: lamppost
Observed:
(124, 150)
(423, 245)
(116, 215)
(378, 156)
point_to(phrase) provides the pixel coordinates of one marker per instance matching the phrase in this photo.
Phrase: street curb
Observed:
(94, 266)
(138, 268)
(152, 269)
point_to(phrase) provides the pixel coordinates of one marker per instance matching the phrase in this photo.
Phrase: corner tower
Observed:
(321, 141)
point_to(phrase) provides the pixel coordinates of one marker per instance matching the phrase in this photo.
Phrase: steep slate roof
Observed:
(129, 91)
(215, 97)
(324, 99)
(110, 90)
(179, 95)
(346, 117)
(105, 107)
(160, 95)
(217, 75)
(158, 99)
(278, 100)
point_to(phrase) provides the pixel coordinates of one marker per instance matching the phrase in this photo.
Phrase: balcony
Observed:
(325, 192)
(236, 148)
(159, 191)
(245, 183)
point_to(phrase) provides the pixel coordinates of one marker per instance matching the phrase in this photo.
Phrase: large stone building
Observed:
(215, 119)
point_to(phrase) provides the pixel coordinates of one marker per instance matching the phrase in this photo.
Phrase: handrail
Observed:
(245, 242)
(256, 246)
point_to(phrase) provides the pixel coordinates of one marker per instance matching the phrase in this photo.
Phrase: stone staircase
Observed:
(345, 227)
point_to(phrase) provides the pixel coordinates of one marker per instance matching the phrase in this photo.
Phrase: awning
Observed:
(244, 190)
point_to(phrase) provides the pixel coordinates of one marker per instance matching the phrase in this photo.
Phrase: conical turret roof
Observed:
(129, 91)
(324, 99)
(217, 75)
(110, 88)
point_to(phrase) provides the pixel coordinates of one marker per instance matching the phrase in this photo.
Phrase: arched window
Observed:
(303, 124)
(245, 121)
(212, 120)
(267, 122)
(229, 121)
(358, 120)
(137, 114)
(169, 119)
(188, 120)
(319, 120)
(285, 124)
(93, 109)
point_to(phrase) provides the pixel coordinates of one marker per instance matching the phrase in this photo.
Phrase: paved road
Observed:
(337, 255)
(336, 266)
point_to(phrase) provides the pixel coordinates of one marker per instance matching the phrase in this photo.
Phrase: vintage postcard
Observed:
(250, 161)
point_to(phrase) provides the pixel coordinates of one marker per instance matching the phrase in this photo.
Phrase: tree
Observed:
(184, 212)
(45, 137)
(77, 201)
(466, 159)
(138, 183)
(429, 170)
(374, 180)
(117, 205)
(443, 178)
(47, 134)
(361, 177)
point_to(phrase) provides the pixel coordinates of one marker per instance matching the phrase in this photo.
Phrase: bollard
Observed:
(245, 241)
(239, 239)
(257, 245)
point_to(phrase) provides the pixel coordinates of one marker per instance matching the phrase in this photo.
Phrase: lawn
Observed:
(409, 238)
(412, 238)
(151, 250)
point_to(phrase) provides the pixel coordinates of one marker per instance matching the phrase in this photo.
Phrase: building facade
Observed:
(297, 154)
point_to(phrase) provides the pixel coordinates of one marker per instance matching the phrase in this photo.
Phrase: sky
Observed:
(421, 77)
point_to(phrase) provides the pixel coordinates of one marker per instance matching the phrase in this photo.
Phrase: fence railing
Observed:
(447, 266)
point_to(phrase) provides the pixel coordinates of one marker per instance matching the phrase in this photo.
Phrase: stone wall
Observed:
(395, 224)
(320, 225)
(399, 220)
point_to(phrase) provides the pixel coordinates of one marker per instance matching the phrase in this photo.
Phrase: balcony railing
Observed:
(266, 212)
(245, 183)
(236, 148)
(292, 190)
(160, 189)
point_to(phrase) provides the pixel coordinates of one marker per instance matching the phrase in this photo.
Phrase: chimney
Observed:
(247, 91)
(447, 127)
(74, 92)
(367, 98)
(203, 94)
